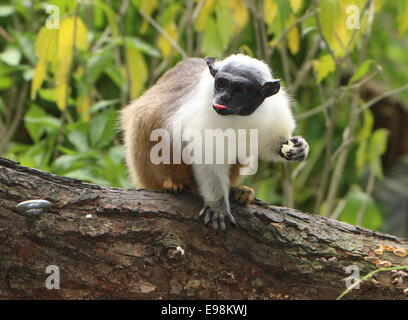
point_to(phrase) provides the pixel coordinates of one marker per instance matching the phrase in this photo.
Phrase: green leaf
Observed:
(98, 17)
(46, 44)
(377, 147)
(78, 140)
(117, 154)
(225, 22)
(361, 71)
(116, 76)
(111, 127)
(97, 64)
(69, 162)
(86, 174)
(212, 43)
(100, 105)
(5, 83)
(138, 71)
(64, 5)
(329, 14)
(203, 17)
(402, 19)
(111, 16)
(66, 150)
(323, 67)
(266, 190)
(6, 69)
(66, 162)
(284, 10)
(6, 10)
(49, 95)
(163, 42)
(296, 5)
(72, 31)
(2, 105)
(22, 8)
(278, 17)
(142, 46)
(28, 74)
(361, 156)
(367, 127)
(362, 139)
(355, 198)
(98, 125)
(11, 56)
(36, 155)
(39, 76)
(102, 128)
(30, 118)
(137, 3)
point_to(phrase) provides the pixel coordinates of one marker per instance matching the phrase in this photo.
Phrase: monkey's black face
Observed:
(239, 91)
(234, 94)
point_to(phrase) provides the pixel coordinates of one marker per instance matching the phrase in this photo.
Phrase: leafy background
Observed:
(61, 86)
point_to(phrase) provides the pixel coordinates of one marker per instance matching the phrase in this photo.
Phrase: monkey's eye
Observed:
(220, 83)
(240, 88)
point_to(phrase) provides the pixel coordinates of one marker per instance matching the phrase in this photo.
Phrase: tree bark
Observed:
(111, 243)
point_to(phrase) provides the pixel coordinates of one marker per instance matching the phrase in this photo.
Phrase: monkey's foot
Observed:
(242, 195)
(172, 186)
(216, 211)
(294, 149)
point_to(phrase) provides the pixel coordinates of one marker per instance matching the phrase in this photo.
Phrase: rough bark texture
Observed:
(128, 248)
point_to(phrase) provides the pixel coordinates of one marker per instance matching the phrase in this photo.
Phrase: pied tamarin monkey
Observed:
(238, 92)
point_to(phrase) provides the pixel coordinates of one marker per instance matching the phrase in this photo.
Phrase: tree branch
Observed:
(139, 244)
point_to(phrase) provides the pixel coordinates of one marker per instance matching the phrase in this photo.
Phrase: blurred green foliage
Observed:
(67, 67)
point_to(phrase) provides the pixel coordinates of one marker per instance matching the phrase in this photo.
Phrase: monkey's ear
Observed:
(271, 87)
(210, 63)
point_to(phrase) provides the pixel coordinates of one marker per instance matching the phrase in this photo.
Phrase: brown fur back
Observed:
(149, 112)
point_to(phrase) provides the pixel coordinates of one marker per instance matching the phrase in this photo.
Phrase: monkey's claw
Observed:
(294, 149)
(172, 186)
(215, 212)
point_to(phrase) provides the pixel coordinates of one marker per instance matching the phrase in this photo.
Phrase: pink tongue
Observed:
(220, 106)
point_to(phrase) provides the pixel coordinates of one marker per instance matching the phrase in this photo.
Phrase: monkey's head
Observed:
(239, 89)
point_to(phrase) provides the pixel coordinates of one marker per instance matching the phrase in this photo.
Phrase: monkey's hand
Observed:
(216, 211)
(294, 149)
